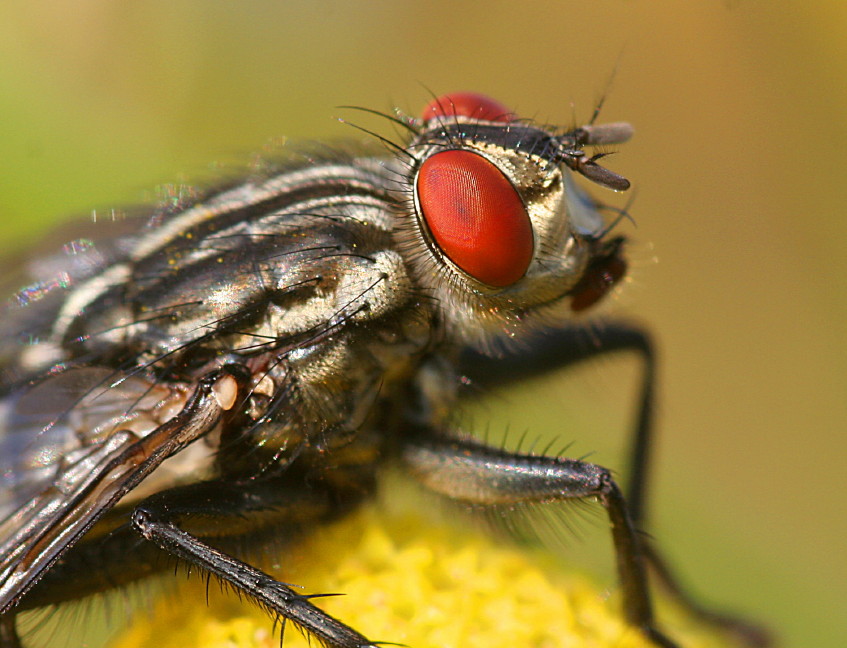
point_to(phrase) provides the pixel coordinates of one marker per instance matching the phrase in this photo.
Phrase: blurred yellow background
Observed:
(738, 258)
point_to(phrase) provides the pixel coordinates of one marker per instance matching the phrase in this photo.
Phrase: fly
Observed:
(247, 358)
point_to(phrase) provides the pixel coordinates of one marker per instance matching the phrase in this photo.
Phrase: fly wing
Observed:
(62, 469)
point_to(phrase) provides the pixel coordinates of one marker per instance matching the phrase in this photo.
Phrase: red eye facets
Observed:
(467, 104)
(476, 216)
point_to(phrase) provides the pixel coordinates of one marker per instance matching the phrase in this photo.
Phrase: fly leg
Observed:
(468, 471)
(561, 348)
(44, 544)
(236, 513)
(230, 512)
(8, 632)
(183, 522)
(749, 633)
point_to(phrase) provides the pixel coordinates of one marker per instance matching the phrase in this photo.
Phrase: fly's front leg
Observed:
(468, 471)
(561, 348)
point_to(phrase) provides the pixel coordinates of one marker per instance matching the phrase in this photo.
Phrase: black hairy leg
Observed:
(556, 349)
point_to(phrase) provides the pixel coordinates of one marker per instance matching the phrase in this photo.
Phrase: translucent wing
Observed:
(72, 446)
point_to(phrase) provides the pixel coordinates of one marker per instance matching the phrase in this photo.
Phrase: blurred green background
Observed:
(738, 257)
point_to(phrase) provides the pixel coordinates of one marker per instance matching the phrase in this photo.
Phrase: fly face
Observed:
(501, 230)
(239, 363)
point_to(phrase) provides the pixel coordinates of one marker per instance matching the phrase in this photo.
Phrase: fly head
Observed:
(495, 228)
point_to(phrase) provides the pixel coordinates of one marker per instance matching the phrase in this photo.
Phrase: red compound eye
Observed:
(476, 216)
(467, 104)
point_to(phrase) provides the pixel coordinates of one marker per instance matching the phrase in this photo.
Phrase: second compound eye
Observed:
(467, 104)
(475, 216)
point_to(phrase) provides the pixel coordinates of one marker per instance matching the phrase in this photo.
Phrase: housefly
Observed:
(234, 365)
